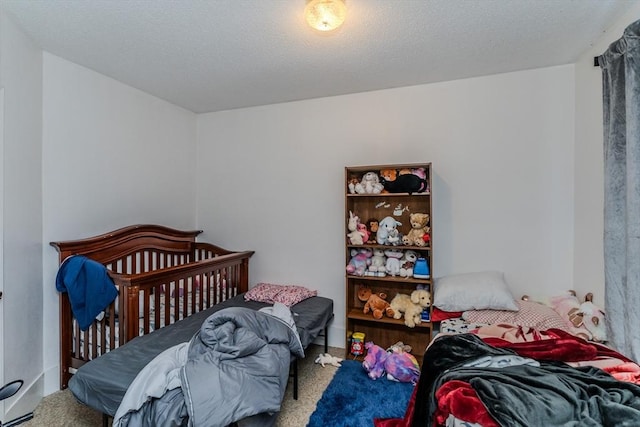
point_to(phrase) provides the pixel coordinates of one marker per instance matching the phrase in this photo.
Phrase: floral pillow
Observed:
(285, 294)
(531, 314)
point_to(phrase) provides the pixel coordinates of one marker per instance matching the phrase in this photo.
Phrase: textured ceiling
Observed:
(211, 55)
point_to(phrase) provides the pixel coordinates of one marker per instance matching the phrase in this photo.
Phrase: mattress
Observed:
(102, 383)
(176, 307)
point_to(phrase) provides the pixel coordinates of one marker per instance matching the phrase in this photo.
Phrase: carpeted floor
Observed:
(340, 406)
(60, 409)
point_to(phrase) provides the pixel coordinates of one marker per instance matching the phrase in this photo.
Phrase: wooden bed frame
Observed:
(148, 264)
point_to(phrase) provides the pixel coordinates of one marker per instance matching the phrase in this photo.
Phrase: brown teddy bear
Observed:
(419, 228)
(376, 303)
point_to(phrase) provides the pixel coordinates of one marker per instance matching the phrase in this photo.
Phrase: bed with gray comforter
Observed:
(244, 351)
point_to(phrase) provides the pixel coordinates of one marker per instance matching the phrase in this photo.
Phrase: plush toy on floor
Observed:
(374, 360)
(402, 367)
(397, 364)
(327, 359)
(411, 306)
(399, 347)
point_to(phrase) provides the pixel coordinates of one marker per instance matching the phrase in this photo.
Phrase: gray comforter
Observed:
(235, 368)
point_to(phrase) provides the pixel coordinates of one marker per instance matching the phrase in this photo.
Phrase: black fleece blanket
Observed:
(554, 394)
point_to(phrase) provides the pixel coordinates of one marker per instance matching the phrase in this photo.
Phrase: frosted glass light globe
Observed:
(325, 15)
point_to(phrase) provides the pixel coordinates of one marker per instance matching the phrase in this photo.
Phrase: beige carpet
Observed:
(61, 408)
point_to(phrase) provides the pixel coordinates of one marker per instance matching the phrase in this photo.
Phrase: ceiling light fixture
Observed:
(325, 15)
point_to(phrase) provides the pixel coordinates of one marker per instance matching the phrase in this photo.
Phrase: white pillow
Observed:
(473, 291)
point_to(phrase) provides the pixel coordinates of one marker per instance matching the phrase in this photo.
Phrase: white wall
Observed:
(589, 164)
(271, 178)
(21, 78)
(113, 156)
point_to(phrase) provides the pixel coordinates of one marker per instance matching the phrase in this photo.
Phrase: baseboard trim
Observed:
(19, 420)
(24, 403)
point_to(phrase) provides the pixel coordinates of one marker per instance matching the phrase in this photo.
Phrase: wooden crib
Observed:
(162, 274)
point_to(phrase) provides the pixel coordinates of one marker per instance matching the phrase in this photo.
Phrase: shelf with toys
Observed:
(388, 251)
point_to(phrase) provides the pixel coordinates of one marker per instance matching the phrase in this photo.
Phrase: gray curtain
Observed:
(621, 102)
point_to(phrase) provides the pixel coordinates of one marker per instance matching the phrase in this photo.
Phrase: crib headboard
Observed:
(109, 247)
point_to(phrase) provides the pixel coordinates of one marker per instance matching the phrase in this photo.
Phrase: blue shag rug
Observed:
(352, 399)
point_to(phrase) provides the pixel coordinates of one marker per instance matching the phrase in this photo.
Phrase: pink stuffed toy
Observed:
(374, 360)
(402, 367)
(360, 260)
(398, 365)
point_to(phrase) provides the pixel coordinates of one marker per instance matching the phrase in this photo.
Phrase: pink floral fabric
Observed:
(530, 314)
(285, 294)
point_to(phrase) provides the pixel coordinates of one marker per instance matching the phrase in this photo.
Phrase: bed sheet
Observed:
(173, 303)
(102, 383)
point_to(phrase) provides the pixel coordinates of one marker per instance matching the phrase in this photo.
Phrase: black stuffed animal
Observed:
(407, 183)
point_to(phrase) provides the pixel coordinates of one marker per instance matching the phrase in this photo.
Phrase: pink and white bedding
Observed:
(494, 366)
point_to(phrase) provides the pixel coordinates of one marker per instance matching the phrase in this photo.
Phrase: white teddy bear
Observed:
(411, 305)
(393, 261)
(370, 184)
(378, 264)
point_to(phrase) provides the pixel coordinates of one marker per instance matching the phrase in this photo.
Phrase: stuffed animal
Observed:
(411, 306)
(374, 303)
(399, 347)
(372, 225)
(398, 365)
(408, 183)
(374, 360)
(351, 184)
(360, 260)
(593, 319)
(327, 359)
(420, 173)
(370, 184)
(356, 236)
(378, 264)
(419, 228)
(403, 367)
(407, 262)
(394, 238)
(388, 174)
(585, 320)
(393, 261)
(387, 224)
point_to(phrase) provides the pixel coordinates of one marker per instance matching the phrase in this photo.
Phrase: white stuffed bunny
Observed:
(327, 359)
(370, 184)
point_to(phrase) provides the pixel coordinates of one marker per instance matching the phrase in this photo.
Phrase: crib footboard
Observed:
(162, 276)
